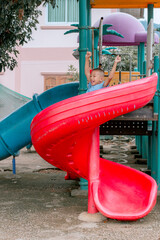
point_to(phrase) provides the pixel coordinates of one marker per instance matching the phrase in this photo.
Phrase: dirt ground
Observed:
(37, 203)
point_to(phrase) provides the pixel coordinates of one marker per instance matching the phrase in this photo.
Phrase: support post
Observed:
(14, 164)
(82, 44)
(154, 145)
(93, 174)
(158, 153)
(141, 60)
(100, 41)
(89, 31)
(150, 12)
(138, 65)
(142, 56)
(145, 139)
(137, 138)
(93, 58)
(156, 69)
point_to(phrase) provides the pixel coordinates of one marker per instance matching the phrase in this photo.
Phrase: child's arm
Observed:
(112, 72)
(87, 65)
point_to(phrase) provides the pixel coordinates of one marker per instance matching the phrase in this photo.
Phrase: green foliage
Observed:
(72, 73)
(18, 18)
(125, 63)
(156, 50)
(125, 52)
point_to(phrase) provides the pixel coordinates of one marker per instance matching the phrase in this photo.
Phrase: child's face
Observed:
(95, 78)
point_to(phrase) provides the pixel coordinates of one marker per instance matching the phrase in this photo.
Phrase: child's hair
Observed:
(99, 70)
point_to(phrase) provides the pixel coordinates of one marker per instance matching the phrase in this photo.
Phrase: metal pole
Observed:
(89, 32)
(92, 48)
(82, 44)
(150, 12)
(156, 69)
(149, 38)
(138, 58)
(158, 154)
(14, 165)
(158, 150)
(152, 144)
(100, 41)
(130, 68)
(84, 19)
(137, 138)
(149, 47)
(145, 138)
(154, 130)
(142, 57)
(120, 73)
(144, 67)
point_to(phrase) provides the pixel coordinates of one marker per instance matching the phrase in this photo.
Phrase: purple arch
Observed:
(127, 25)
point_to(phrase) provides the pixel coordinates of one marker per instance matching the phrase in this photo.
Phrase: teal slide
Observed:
(15, 128)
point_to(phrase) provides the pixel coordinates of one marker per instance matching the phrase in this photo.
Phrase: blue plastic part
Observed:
(36, 102)
(71, 31)
(14, 162)
(14, 165)
(29, 146)
(83, 184)
(15, 128)
(106, 52)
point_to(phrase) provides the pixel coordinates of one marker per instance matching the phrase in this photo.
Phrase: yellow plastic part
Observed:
(124, 77)
(124, 3)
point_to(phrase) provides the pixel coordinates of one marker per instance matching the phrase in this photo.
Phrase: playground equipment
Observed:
(66, 135)
(15, 128)
(152, 152)
(138, 122)
(142, 123)
(129, 27)
(124, 4)
(80, 136)
(10, 101)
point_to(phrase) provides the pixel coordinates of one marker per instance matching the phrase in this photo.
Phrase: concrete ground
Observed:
(38, 204)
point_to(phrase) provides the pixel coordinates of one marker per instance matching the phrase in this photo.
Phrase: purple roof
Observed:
(127, 25)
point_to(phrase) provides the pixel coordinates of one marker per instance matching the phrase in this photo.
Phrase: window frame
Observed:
(58, 23)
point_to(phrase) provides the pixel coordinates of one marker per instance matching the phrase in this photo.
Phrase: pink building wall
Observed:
(49, 52)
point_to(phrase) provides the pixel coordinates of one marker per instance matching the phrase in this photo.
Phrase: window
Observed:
(65, 11)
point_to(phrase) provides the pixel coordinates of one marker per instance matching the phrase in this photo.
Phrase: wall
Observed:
(49, 52)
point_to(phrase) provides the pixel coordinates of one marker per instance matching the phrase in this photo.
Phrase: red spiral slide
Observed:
(66, 135)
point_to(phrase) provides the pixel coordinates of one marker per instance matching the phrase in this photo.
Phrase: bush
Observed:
(17, 20)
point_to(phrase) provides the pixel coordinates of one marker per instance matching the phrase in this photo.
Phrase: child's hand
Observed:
(88, 54)
(118, 59)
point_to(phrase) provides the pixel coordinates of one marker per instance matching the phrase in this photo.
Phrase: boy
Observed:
(95, 79)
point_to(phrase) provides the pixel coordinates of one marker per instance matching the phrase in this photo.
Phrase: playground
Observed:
(36, 204)
(79, 134)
